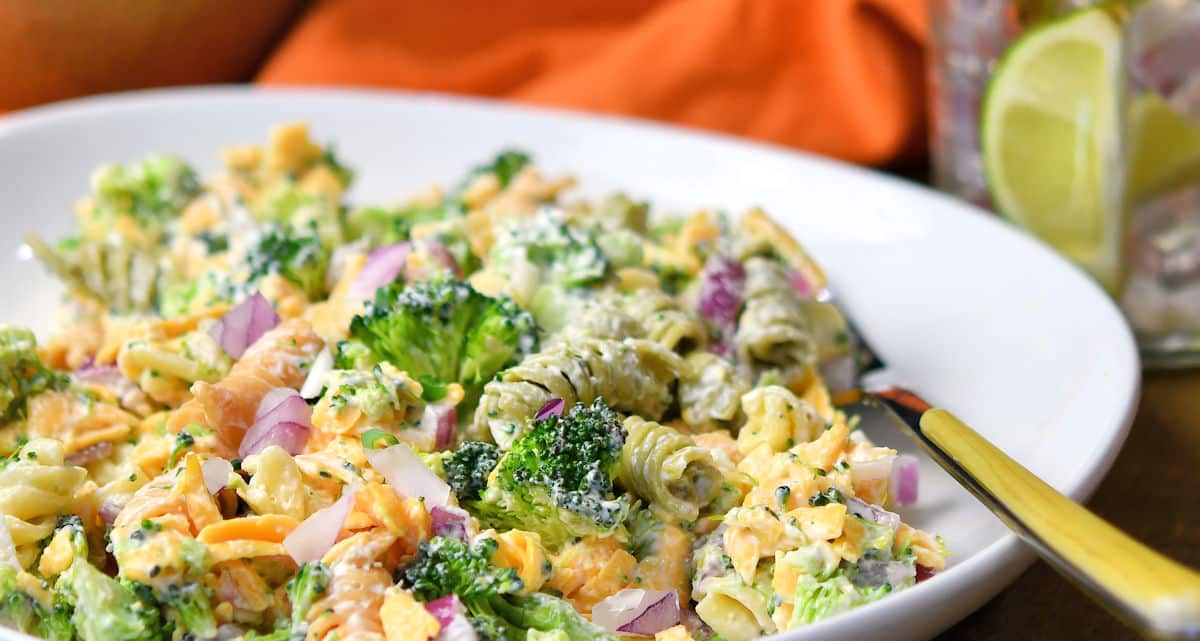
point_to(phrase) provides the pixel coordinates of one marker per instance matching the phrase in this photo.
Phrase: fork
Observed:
(1156, 596)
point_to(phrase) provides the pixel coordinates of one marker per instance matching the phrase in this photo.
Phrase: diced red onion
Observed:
(90, 453)
(244, 324)
(313, 537)
(441, 420)
(216, 474)
(442, 254)
(924, 573)
(721, 287)
(800, 284)
(640, 612)
(446, 608)
(873, 513)
(873, 573)
(449, 521)
(405, 472)
(458, 629)
(906, 474)
(108, 511)
(553, 407)
(383, 266)
(283, 418)
(315, 381)
(105, 375)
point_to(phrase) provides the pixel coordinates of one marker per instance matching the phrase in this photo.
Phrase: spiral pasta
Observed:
(772, 328)
(35, 489)
(664, 320)
(633, 375)
(350, 607)
(710, 393)
(668, 469)
(280, 358)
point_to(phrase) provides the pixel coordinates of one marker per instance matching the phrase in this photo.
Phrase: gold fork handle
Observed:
(1152, 593)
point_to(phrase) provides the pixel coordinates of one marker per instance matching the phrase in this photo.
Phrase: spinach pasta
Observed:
(675, 476)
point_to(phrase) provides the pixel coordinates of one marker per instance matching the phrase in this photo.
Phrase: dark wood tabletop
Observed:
(1152, 492)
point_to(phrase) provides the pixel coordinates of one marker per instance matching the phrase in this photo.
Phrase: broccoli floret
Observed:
(106, 609)
(546, 613)
(504, 166)
(387, 225)
(296, 254)
(468, 467)
(286, 205)
(21, 611)
(190, 607)
(206, 290)
(305, 589)
(568, 255)
(153, 191)
(557, 480)
(378, 392)
(818, 599)
(440, 330)
(22, 373)
(448, 566)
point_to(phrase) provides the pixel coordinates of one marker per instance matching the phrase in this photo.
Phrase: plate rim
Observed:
(1005, 557)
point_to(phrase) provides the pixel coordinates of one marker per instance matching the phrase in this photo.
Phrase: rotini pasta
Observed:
(772, 329)
(667, 469)
(36, 488)
(634, 374)
(664, 321)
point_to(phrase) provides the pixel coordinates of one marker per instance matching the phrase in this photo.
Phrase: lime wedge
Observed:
(1050, 132)
(1164, 148)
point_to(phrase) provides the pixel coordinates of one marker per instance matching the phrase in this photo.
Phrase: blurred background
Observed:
(1078, 120)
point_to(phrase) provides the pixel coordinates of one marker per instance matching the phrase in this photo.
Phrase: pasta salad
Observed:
(490, 413)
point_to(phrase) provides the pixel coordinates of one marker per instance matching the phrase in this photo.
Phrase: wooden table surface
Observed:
(1152, 492)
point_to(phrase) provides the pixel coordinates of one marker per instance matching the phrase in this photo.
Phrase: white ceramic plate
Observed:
(976, 315)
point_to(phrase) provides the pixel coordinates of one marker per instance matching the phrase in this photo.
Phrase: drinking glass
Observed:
(1156, 150)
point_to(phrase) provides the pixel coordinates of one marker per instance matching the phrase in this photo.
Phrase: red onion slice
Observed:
(721, 286)
(292, 437)
(383, 266)
(449, 521)
(283, 418)
(313, 538)
(244, 324)
(216, 474)
(924, 573)
(801, 284)
(873, 513)
(906, 475)
(446, 608)
(458, 629)
(442, 254)
(90, 453)
(105, 375)
(405, 472)
(553, 407)
(441, 420)
(108, 511)
(315, 381)
(640, 612)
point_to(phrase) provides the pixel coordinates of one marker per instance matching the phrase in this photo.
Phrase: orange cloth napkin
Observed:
(837, 77)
